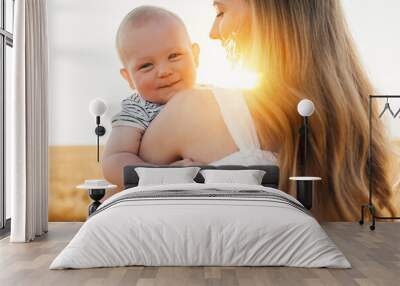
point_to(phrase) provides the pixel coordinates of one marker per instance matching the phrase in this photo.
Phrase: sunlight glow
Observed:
(240, 78)
(233, 78)
(215, 69)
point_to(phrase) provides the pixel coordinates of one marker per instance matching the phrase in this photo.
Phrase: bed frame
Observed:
(270, 179)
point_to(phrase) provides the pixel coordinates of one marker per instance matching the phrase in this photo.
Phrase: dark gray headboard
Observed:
(271, 177)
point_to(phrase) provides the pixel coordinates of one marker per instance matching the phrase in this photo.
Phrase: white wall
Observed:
(375, 29)
(84, 65)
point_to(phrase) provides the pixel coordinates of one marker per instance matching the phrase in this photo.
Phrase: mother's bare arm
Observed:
(121, 150)
(163, 140)
(191, 127)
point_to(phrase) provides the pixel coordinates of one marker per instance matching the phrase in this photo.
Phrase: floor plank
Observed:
(374, 255)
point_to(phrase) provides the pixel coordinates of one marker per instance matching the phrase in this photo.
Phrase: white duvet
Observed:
(185, 231)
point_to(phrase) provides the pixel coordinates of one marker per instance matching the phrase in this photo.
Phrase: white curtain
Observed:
(27, 149)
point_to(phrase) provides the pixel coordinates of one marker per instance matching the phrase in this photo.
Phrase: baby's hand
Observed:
(185, 162)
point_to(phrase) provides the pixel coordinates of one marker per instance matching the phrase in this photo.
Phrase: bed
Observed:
(201, 224)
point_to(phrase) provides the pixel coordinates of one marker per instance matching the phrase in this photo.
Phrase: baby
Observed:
(158, 61)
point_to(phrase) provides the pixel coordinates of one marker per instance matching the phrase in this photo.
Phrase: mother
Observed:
(302, 49)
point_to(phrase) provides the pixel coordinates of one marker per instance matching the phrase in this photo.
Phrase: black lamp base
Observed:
(305, 193)
(100, 131)
(96, 195)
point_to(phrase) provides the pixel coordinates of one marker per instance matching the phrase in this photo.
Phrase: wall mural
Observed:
(193, 85)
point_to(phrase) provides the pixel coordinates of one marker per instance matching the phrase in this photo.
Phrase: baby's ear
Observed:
(196, 53)
(125, 74)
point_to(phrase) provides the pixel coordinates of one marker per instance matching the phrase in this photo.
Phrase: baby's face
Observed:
(161, 61)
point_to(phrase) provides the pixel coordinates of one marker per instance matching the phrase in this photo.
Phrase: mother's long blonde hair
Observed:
(303, 49)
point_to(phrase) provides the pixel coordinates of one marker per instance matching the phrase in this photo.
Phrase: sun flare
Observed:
(241, 78)
(215, 69)
(232, 78)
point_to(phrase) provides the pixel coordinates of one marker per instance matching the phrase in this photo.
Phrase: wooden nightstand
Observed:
(305, 187)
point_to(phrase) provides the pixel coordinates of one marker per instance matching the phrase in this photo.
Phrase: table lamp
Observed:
(305, 108)
(304, 183)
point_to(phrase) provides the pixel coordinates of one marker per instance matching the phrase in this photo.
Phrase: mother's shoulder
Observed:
(191, 98)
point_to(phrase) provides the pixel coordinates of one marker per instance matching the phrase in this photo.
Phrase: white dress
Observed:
(239, 122)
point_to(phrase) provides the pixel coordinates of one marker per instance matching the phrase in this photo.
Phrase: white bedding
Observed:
(182, 231)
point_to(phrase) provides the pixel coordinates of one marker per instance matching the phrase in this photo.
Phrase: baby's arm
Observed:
(128, 126)
(121, 150)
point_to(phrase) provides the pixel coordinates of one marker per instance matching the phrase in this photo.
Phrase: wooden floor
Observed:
(375, 257)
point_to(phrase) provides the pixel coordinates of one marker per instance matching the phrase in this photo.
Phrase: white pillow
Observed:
(162, 176)
(248, 177)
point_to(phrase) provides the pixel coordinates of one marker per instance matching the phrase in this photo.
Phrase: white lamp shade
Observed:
(97, 107)
(305, 107)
